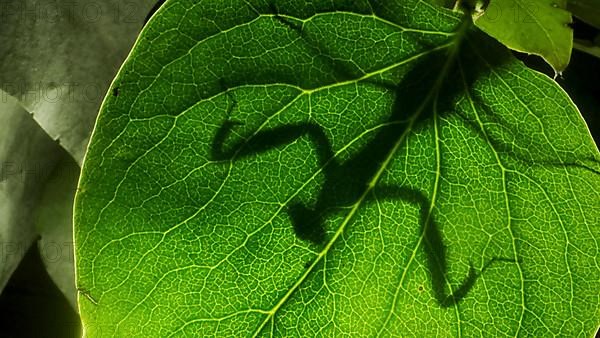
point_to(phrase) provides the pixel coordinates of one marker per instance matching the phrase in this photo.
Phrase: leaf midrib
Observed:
(432, 94)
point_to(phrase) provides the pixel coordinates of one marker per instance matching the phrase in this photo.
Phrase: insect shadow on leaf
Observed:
(479, 57)
(434, 248)
(345, 183)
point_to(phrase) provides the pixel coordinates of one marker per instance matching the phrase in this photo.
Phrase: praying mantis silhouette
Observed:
(345, 182)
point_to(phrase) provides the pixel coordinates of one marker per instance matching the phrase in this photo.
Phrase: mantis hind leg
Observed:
(435, 250)
(307, 221)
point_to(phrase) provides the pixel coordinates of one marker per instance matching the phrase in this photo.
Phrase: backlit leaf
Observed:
(334, 167)
(538, 27)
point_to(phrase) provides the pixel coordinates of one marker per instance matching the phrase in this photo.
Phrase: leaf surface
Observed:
(535, 27)
(326, 168)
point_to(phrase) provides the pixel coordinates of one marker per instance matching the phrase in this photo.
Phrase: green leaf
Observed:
(586, 10)
(58, 59)
(536, 27)
(334, 167)
(587, 47)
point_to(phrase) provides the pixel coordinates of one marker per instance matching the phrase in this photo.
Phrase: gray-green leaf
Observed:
(27, 156)
(58, 58)
(54, 223)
